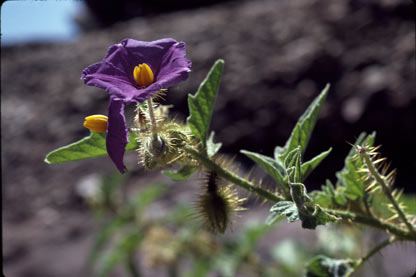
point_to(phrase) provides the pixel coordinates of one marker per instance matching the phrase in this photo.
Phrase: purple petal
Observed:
(117, 136)
(166, 58)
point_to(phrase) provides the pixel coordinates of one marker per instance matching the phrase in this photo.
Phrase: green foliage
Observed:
(302, 207)
(181, 174)
(309, 166)
(303, 129)
(322, 266)
(88, 147)
(212, 147)
(330, 197)
(349, 176)
(287, 208)
(350, 184)
(282, 165)
(122, 225)
(273, 167)
(201, 104)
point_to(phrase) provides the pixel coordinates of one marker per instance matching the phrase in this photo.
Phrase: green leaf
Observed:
(202, 103)
(292, 164)
(304, 127)
(329, 197)
(121, 251)
(349, 176)
(212, 147)
(322, 266)
(182, 174)
(287, 208)
(310, 165)
(310, 213)
(273, 218)
(88, 147)
(272, 167)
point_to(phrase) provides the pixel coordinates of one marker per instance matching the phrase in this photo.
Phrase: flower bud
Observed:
(143, 75)
(96, 123)
(217, 204)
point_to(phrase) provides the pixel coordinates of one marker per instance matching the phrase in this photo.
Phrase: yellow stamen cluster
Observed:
(143, 75)
(96, 123)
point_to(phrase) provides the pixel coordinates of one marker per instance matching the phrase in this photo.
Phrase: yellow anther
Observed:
(96, 123)
(143, 75)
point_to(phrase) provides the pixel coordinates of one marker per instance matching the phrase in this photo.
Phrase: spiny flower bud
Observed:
(96, 123)
(143, 75)
(165, 146)
(217, 204)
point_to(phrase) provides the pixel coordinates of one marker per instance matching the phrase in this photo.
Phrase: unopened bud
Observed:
(96, 123)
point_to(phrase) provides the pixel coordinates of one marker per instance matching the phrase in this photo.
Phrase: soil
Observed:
(278, 56)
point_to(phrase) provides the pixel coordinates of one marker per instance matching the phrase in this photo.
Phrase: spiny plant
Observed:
(135, 71)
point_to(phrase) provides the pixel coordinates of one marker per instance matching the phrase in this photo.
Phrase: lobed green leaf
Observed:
(202, 103)
(303, 129)
(272, 167)
(350, 177)
(212, 147)
(287, 208)
(181, 174)
(322, 266)
(89, 147)
(310, 165)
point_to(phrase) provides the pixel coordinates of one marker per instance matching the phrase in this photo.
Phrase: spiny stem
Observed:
(232, 177)
(373, 251)
(374, 222)
(151, 114)
(381, 181)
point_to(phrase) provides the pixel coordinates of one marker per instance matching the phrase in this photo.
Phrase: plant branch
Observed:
(373, 251)
(151, 114)
(374, 222)
(381, 181)
(232, 177)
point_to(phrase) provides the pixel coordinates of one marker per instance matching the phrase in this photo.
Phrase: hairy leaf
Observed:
(322, 266)
(310, 165)
(212, 147)
(350, 177)
(182, 174)
(303, 129)
(271, 166)
(287, 208)
(329, 197)
(202, 103)
(88, 147)
(309, 212)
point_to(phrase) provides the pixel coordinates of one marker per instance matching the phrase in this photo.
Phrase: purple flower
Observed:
(132, 71)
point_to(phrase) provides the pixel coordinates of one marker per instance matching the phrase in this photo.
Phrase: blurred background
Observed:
(278, 56)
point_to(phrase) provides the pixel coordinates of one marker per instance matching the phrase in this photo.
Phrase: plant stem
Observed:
(374, 222)
(232, 177)
(373, 251)
(381, 181)
(151, 115)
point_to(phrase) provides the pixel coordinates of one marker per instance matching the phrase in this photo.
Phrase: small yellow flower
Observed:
(96, 123)
(143, 75)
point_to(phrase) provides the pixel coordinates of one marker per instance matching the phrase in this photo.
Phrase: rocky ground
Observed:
(278, 56)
